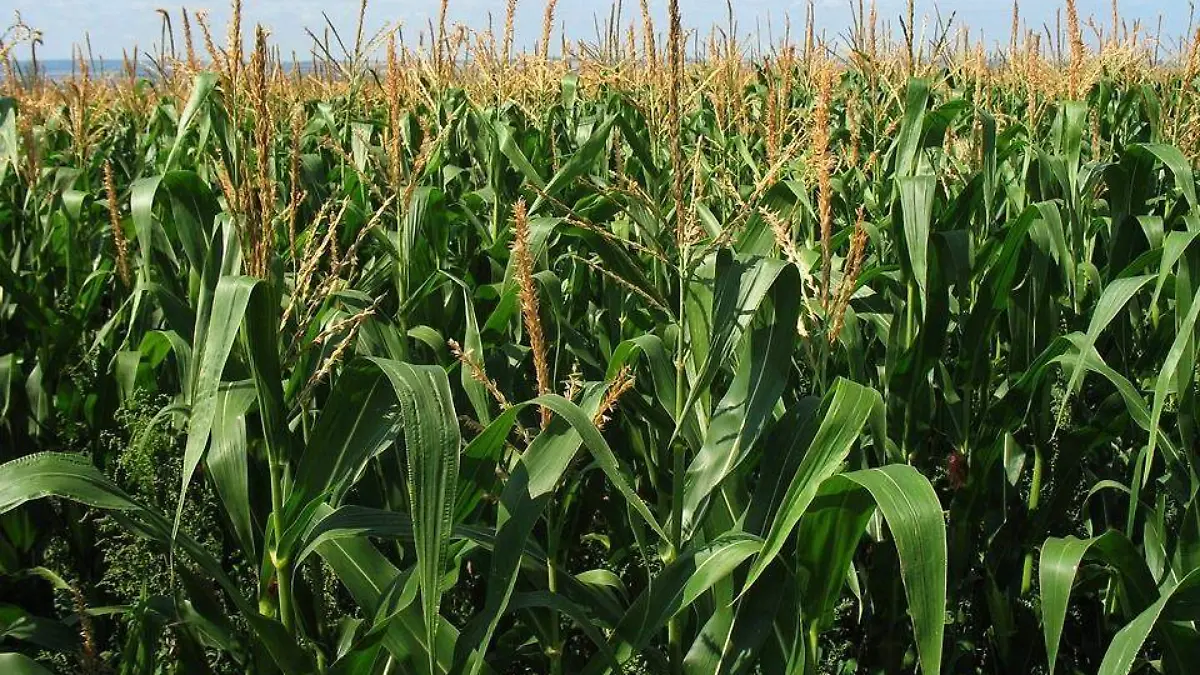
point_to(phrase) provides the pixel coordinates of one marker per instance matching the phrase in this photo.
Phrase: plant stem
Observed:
(1035, 494)
(811, 649)
(678, 448)
(675, 626)
(283, 567)
(678, 463)
(556, 647)
(401, 278)
(910, 318)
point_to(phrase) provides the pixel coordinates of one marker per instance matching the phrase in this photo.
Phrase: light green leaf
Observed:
(229, 307)
(202, 86)
(846, 408)
(1116, 295)
(432, 445)
(1177, 603)
(748, 405)
(913, 514)
(1167, 372)
(916, 200)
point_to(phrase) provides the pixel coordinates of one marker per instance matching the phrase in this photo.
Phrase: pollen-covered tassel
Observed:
(118, 233)
(530, 309)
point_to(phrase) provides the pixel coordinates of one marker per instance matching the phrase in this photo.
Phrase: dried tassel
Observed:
(851, 270)
(188, 46)
(620, 385)
(530, 309)
(118, 233)
(475, 368)
(822, 167)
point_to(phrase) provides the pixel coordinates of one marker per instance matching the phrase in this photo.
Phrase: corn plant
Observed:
(445, 359)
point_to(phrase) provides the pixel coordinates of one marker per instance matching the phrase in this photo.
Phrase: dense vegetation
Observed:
(875, 357)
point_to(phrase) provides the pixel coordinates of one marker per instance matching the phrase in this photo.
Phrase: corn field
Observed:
(655, 353)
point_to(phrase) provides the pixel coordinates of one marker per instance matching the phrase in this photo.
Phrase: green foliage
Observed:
(323, 427)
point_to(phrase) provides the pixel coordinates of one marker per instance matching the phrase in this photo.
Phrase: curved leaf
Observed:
(673, 589)
(431, 450)
(1180, 602)
(913, 514)
(847, 406)
(19, 664)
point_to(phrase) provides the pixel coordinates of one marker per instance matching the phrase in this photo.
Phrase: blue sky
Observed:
(117, 24)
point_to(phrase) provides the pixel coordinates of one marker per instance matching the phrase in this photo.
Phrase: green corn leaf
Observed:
(367, 575)
(913, 514)
(1174, 247)
(359, 522)
(1179, 166)
(540, 231)
(9, 153)
(1168, 372)
(525, 497)
(908, 141)
(73, 477)
(662, 370)
(260, 342)
(229, 308)
(373, 401)
(18, 624)
(359, 420)
(673, 590)
(1176, 603)
(734, 635)
(473, 345)
(228, 464)
(202, 87)
(1116, 295)
(1058, 565)
(52, 474)
(740, 289)
(846, 408)
(431, 450)
(19, 664)
(1186, 556)
(916, 199)
(582, 160)
(748, 406)
(1135, 404)
(508, 146)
